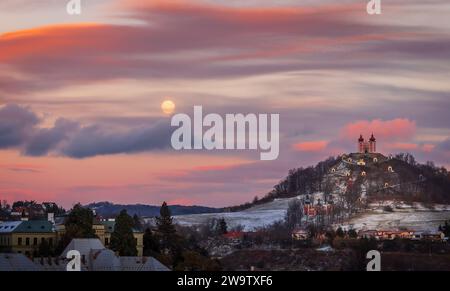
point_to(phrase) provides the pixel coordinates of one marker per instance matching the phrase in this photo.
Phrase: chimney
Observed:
(51, 217)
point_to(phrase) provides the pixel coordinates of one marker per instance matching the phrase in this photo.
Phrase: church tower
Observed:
(372, 144)
(361, 144)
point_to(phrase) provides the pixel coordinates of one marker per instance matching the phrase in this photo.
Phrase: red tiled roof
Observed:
(233, 234)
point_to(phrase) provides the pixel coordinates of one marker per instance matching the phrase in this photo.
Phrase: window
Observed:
(35, 240)
(106, 241)
(19, 241)
(42, 240)
(27, 241)
(50, 241)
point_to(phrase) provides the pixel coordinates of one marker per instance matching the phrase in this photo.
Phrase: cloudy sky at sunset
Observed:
(80, 96)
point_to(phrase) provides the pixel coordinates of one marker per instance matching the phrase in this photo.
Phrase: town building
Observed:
(17, 262)
(103, 230)
(430, 236)
(320, 208)
(24, 237)
(94, 257)
(403, 234)
(108, 228)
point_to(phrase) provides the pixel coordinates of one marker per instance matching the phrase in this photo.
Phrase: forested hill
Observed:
(374, 176)
(107, 209)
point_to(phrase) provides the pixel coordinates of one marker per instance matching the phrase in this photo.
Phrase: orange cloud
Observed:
(400, 128)
(311, 146)
(48, 40)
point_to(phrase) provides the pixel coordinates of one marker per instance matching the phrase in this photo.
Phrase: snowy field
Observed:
(415, 217)
(419, 219)
(250, 219)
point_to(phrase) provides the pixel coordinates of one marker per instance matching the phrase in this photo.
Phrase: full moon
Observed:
(168, 107)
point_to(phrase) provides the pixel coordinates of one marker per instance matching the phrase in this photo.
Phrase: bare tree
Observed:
(294, 214)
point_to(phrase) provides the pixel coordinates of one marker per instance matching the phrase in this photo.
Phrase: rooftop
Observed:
(17, 262)
(34, 226)
(109, 226)
(9, 226)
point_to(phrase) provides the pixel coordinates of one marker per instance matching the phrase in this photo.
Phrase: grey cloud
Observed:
(19, 129)
(16, 124)
(44, 140)
(445, 145)
(95, 140)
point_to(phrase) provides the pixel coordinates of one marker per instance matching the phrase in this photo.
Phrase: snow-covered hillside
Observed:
(251, 219)
(415, 217)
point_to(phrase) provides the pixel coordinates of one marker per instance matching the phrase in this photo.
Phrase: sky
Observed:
(80, 95)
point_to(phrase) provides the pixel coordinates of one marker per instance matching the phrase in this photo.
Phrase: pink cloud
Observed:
(405, 146)
(181, 201)
(311, 146)
(105, 51)
(212, 168)
(428, 148)
(402, 146)
(15, 194)
(395, 129)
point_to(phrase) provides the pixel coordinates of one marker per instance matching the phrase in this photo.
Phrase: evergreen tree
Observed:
(170, 242)
(352, 233)
(151, 243)
(222, 227)
(44, 249)
(340, 232)
(137, 222)
(445, 228)
(165, 222)
(78, 224)
(294, 214)
(122, 238)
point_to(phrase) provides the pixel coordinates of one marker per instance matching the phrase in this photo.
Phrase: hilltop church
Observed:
(366, 147)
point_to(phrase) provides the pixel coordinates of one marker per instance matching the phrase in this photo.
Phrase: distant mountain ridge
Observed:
(108, 209)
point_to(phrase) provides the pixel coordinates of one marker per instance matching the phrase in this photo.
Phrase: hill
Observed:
(366, 190)
(107, 209)
(371, 176)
